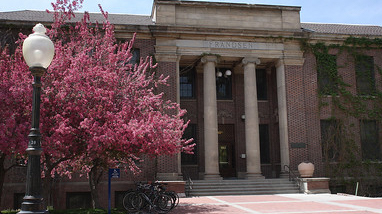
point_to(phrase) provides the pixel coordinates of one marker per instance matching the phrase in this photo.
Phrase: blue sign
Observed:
(114, 173)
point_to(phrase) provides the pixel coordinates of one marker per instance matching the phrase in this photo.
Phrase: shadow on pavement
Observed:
(185, 209)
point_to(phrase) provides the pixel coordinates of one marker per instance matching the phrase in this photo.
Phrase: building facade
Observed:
(254, 87)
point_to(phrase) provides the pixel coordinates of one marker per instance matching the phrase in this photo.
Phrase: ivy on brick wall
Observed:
(350, 105)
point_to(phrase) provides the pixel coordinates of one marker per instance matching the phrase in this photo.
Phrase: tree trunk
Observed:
(94, 178)
(47, 188)
(2, 176)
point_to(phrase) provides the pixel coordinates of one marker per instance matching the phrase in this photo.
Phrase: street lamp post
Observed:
(38, 52)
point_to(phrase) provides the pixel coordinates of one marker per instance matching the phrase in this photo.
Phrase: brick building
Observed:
(255, 98)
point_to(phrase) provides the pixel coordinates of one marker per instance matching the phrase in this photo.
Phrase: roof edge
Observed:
(226, 4)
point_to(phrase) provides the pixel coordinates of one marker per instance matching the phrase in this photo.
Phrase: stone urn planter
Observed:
(306, 169)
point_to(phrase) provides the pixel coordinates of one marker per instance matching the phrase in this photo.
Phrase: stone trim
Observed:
(314, 185)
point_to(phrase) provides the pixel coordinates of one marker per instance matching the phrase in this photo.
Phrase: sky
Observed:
(364, 12)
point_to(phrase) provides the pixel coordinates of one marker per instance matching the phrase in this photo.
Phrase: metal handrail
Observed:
(189, 184)
(292, 176)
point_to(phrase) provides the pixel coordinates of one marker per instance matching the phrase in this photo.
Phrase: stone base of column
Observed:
(241, 175)
(284, 174)
(169, 177)
(212, 177)
(254, 176)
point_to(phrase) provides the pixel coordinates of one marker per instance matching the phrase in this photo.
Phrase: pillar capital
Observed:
(210, 58)
(248, 60)
(279, 62)
(166, 57)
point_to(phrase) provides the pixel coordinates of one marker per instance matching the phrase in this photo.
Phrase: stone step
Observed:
(241, 183)
(265, 192)
(197, 187)
(233, 189)
(242, 187)
(278, 180)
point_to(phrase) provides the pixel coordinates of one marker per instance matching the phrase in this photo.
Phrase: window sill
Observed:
(363, 161)
(187, 99)
(227, 100)
(368, 96)
(328, 96)
(190, 165)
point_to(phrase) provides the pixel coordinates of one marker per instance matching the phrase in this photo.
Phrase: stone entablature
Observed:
(225, 15)
(289, 51)
(230, 45)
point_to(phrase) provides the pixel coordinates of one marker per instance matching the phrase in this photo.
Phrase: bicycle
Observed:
(149, 197)
(174, 196)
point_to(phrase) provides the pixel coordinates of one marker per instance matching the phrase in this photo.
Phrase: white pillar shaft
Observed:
(252, 138)
(178, 101)
(282, 111)
(211, 150)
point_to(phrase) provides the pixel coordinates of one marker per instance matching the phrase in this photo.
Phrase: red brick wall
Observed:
(314, 113)
(297, 129)
(311, 111)
(146, 46)
(168, 164)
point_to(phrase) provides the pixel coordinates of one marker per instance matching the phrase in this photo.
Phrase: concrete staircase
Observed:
(241, 187)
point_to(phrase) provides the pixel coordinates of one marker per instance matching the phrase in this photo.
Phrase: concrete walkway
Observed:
(283, 203)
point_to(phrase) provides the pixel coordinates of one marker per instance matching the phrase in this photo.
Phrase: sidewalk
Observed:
(284, 203)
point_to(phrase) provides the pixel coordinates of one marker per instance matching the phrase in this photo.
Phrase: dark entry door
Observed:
(226, 155)
(227, 151)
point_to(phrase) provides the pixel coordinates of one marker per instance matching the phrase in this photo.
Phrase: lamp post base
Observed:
(33, 205)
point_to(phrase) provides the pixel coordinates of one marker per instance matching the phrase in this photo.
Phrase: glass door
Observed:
(226, 166)
(227, 151)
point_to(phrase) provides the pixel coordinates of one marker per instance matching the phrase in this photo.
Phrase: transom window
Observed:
(261, 84)
(223, 84)
(187, 82)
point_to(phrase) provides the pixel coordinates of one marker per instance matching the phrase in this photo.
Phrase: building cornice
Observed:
(230, 5)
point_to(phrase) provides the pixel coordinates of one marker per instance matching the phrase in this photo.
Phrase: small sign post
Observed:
(113, 173)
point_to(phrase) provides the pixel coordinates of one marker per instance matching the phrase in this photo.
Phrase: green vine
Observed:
(366, 104)
(218, 56)
(342, 155)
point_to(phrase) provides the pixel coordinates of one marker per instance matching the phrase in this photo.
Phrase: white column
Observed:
(211, 150)
(282, 111)
(252, 138)
(178, 101)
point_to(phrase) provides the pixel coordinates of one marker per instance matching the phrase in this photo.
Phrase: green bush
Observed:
(9, 211)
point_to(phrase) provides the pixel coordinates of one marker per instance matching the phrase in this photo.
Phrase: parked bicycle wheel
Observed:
(132, 202)
(174, 197)
(172, 194)
(163, 203)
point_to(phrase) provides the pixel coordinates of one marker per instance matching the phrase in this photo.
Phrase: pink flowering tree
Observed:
(97, 110)
(15, 109)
